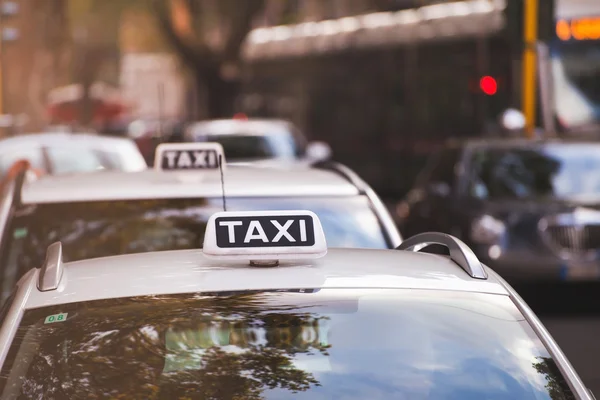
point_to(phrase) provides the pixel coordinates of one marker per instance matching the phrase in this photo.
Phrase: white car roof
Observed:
(131, 157)
(239, 127)
(189, 271)
(240, 181)
(48, 138)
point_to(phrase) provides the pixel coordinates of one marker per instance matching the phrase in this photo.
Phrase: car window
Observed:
(107, 228)
(68, 159)
(248, 147)
(553, 171)
(320, 344)
(32, 154)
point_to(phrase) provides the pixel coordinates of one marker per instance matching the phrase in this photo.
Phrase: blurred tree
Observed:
(95, 29)
(138, 32)
(208, 35)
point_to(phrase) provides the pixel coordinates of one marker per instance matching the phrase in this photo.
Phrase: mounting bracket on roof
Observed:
(52, 270)
(460, 253)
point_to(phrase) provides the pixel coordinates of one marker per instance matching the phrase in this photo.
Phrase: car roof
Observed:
(189, 271)
(47, 138)
(291, 179)
(254, 126)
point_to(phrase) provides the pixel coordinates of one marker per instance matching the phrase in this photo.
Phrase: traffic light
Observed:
(488, 85)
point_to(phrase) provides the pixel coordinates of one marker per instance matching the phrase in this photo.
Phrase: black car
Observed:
(529, 208)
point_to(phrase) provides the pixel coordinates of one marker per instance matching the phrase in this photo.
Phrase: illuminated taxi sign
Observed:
(578, 29)
(264, 235)
(188, 156)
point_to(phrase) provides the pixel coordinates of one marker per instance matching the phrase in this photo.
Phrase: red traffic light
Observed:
(488, 85)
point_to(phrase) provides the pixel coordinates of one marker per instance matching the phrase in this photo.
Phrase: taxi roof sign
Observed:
(189, 156)
(264, 235)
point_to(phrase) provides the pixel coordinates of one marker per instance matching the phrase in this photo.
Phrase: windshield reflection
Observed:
(374, 344)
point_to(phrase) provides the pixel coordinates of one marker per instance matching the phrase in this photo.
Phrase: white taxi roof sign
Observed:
(179, 157)
(264, 235)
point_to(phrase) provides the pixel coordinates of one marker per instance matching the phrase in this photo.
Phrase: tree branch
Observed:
(194, 57)
(241, 23)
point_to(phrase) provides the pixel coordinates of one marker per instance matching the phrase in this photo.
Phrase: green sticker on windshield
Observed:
(20, 233)
(56, 318)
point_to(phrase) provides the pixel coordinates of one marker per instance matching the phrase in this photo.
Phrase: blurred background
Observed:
(384, 82)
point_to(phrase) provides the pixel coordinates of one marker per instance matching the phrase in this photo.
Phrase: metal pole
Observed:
(530, 30)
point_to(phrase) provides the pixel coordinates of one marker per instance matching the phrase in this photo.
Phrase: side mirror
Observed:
(512, 120)
(318, 151)
(439, 189)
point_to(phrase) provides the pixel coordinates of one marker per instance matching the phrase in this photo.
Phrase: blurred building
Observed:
(35, 57)
(384, 82)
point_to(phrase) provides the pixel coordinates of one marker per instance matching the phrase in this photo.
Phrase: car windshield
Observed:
(66, 159)
(553, 171)
(246, 146)
(72, 159)
(301, 344)
(576, 74)
(108, 228)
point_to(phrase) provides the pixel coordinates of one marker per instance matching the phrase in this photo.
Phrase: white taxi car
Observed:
(266, 311)
(166, 208)
(258, 140)
(61, 153)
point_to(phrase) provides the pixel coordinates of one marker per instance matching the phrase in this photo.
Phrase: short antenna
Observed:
(222, 182)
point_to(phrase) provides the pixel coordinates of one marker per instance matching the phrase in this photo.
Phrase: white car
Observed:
(267, 311)
(166, 208)
(258, 140)
(61, 152)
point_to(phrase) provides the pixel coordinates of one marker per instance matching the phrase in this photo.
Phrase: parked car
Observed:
(252, 140)
(62, 152)
(166, 208)
(263, 308)
(529, 208)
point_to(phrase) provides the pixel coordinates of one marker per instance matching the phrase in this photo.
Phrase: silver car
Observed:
(267, 311)
(113, 213)
(258, 140)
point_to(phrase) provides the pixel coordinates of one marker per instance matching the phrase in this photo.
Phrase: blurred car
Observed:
(252, 140)
(112, 213)
(315, 324)
(62, 152)
(528, 208)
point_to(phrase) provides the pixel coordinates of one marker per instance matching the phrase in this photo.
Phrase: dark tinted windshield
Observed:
(248, 147)
(554, 171)
(332, 344)
(98, 229)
